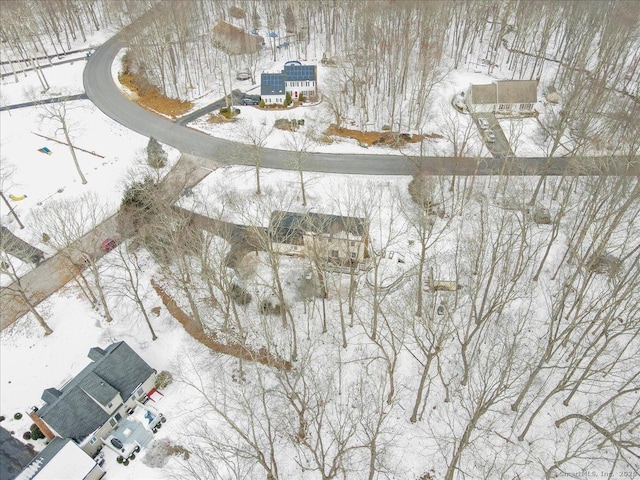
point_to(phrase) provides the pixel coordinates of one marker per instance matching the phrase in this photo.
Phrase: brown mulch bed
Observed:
(149, 97)
(378, 138)
(234, 349)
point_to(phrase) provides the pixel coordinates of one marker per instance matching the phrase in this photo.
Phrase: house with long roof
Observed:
(91, 405)
(503, 97)
(334, 239)
(295, 78)
(62, 458)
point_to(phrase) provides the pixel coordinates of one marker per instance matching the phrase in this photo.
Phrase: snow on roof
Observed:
(60, 459)
(505, 91)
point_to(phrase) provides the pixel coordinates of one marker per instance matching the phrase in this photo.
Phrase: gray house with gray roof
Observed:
(90, 406)
(334, 239)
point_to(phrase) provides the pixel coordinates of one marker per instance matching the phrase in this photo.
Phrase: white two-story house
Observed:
(296, 79)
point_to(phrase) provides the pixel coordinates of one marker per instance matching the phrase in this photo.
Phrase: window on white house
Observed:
(335, 254)
(112, 422)
(92, 441)
(110, 405)
(352, 243)
(140, 392)
(353, 255)
(503, 106)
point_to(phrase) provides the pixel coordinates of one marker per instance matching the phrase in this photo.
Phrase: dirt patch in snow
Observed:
(148, 96)
(392, 139)
(234, 349)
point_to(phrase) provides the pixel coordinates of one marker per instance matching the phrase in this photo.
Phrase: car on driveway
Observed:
(490, 136)
(108, 244)
(484, 123)
(250, 101)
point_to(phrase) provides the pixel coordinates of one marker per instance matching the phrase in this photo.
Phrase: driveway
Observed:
(500, 148)
(55, 272)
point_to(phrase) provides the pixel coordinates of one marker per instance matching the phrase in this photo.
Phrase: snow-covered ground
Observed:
(31, 362)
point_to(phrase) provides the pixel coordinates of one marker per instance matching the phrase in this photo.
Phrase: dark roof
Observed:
(14, 455)
(289, 227)
(272, 84)
(75, 411)
(295, 71)
(505, 91)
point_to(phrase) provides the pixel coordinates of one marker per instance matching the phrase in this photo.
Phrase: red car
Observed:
(108, 245)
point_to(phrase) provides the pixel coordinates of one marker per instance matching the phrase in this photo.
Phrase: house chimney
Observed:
(50, 395)
(33, 414)
(96, 353)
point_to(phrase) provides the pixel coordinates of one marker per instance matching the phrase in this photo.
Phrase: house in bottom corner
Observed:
(62, 459)
(296, 79)
(93, 404)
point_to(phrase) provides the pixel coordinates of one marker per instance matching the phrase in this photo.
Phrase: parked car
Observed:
(116, 443)
(250, 101)
(109, 244)
(490, 136)
(484, 123)
(243, 76)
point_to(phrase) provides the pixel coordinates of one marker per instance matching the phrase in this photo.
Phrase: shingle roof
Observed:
(14, 455)
(517, 91)
(75, 413)
(272, 84)
(483, 94)
(505, 91)
(97, 388)
(289, 227)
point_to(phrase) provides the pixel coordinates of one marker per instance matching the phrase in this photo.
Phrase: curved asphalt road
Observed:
(103, 92)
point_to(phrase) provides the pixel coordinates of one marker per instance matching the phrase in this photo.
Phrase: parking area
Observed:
(492, 135)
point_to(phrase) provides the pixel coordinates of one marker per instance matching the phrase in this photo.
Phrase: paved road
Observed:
(102, 91)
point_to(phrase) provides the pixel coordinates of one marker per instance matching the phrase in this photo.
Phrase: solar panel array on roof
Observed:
(300, 72)
(272, 83)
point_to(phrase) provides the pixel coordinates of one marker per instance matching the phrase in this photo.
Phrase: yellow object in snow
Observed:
(17, 198)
